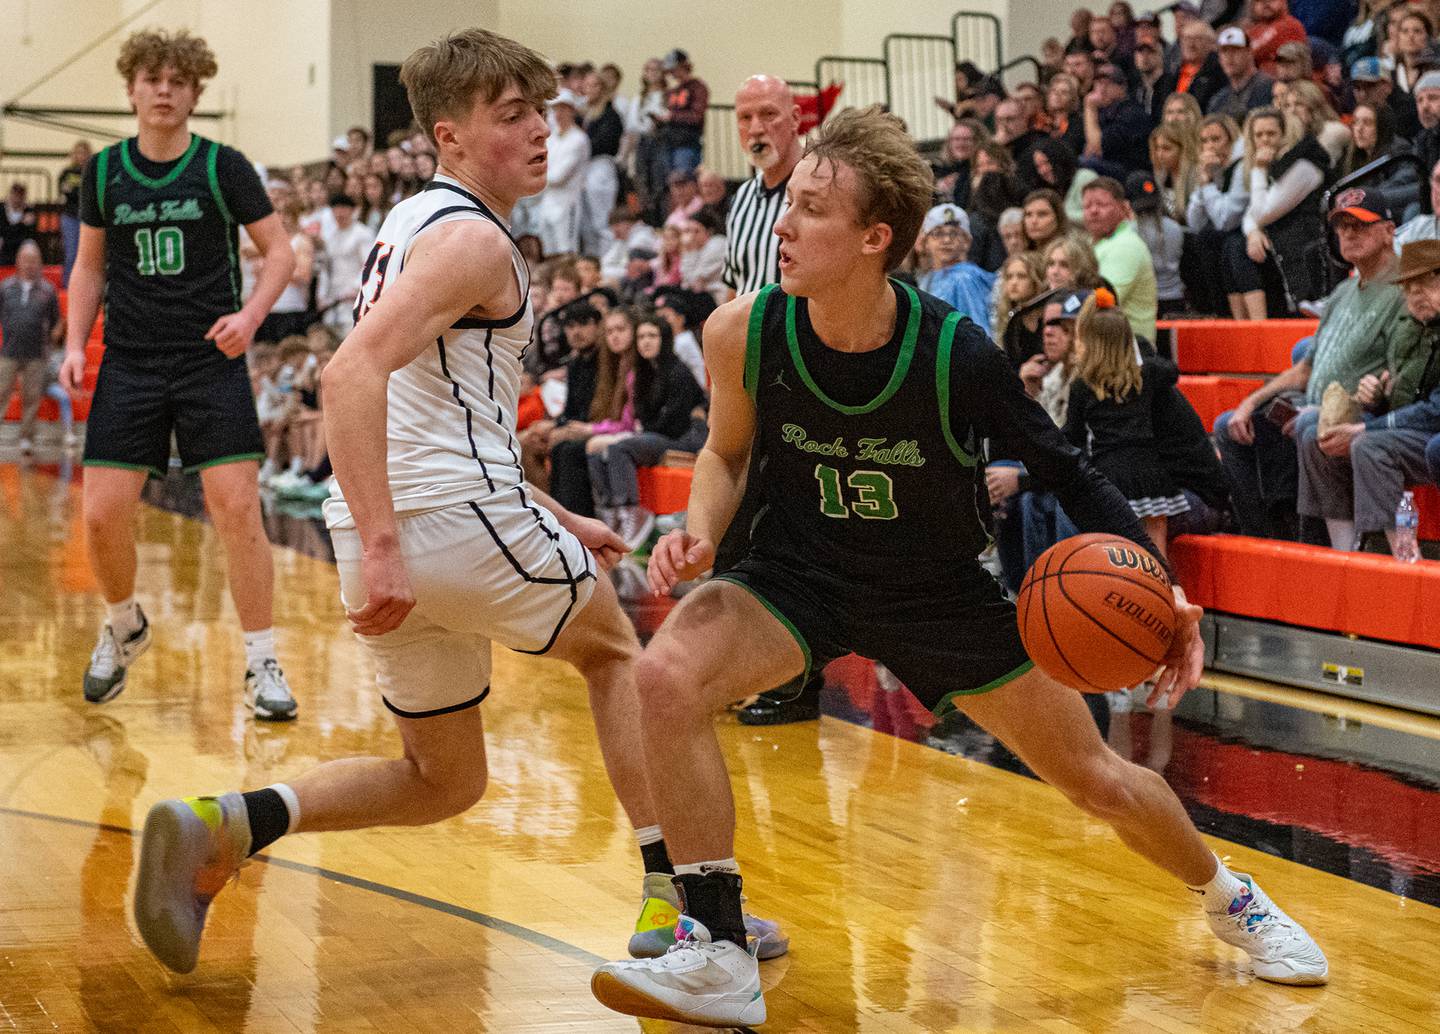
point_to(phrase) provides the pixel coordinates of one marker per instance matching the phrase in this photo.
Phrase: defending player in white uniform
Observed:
(442, 548)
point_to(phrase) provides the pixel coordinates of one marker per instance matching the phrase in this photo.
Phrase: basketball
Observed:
(1096, 613)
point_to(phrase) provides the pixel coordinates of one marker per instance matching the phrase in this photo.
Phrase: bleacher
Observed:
(94, 349)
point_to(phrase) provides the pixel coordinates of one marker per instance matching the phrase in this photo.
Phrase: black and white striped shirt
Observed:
(752, 254)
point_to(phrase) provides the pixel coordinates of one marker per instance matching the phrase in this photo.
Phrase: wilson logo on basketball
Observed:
(1135, 559)
(1143, 616)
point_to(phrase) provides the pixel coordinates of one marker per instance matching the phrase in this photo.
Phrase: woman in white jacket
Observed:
(558, 208)
(1216, 207)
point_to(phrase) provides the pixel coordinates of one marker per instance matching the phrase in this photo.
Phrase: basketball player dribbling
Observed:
(160, 215)
(867, 403)
(442, 548)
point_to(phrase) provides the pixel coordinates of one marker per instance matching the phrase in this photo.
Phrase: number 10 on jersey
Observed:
(872, 490)
(160, 251)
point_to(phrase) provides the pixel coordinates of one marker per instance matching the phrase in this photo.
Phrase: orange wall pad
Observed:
(1361, 594)
(1211, 395)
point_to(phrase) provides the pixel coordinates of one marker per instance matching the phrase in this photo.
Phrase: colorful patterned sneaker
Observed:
(1279, 948)
(189, 849)
(660, 908)
(111, 659)
(700, 981)
(269, 694)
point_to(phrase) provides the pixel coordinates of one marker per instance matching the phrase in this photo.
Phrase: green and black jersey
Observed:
(172, 261)
(870, 463)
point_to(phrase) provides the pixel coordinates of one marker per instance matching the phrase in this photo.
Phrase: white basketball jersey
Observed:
(450, 411)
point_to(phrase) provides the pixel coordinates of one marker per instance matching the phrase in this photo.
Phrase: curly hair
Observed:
(153, 49)
(895, 183)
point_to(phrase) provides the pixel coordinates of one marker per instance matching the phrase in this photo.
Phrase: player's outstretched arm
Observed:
(719, 479)
(452, 269)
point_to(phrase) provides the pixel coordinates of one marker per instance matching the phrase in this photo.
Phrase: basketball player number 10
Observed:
(161, 250)
(873, 491)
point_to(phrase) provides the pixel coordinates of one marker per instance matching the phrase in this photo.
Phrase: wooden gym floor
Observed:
(924, 891)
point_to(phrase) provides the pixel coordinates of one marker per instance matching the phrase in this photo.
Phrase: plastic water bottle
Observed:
(1407, 524)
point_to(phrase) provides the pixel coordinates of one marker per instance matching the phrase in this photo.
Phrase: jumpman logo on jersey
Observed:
(779, 381)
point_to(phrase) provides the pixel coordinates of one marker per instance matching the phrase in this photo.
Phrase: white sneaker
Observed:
(634, 524)
(1279, 948)
(111, 659)
(710, 983)
(660, 910)
(26, 447)
(269, 694)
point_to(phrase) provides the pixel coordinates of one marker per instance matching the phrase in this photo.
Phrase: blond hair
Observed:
(444, 79)
(153, 49)
(1290, 133)
(1108, 363)
(895, 183)
(1084, 267)
(1004, 307)
(1186, 177)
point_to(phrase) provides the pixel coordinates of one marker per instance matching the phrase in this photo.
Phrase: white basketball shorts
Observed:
(499, 571)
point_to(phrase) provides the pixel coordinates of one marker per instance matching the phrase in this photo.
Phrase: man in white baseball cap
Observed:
(1247, 87)
(945, 237)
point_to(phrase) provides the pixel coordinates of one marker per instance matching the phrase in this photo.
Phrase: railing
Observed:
(721, 149)
(920, 69)
(39, 183)
(865, 80)
(977, 39)
(1013, 63)
(1389, 163)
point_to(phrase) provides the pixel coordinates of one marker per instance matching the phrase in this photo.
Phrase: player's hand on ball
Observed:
(233, 333)
(72, 371)
(1186, 659)
(388, 595)
(597, 537)
(678, 557)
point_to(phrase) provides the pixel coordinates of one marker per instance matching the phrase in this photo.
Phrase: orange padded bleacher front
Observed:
(1212, 395)
(1237, 346)
(1361, 594)
(665, 489)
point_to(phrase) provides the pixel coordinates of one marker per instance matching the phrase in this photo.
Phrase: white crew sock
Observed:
(259, 648)
(705, 868)
(647, 835)
(124, 617)
(292, 804)
(1222, 890)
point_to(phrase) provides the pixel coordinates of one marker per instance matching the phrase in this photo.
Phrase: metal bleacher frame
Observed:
(914, 70)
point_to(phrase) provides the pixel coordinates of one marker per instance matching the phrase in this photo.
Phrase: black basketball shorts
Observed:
(944, 636)
(197, 393)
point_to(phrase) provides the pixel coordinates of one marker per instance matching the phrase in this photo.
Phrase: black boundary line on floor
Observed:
(490, 922)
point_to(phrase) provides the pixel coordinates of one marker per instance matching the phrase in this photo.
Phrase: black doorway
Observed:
(392, 108)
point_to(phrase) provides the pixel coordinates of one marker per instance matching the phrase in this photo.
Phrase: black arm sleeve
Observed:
(1012, 418)
(244, 193)
(90, 213)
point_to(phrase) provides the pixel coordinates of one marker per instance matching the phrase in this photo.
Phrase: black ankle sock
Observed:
(269, 818)
(656, 858)
(714, 899)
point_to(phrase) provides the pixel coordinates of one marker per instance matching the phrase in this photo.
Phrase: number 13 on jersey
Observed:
(872, 491)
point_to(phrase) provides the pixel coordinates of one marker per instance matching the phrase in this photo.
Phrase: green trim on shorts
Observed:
(947, 704)
(116, 464)
(239, 457)
(775, 613)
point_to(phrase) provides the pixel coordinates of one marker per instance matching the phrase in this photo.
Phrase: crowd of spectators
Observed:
(1156, 172)
(1181, 164)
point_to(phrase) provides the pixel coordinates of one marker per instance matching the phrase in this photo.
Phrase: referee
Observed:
(769, 124)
